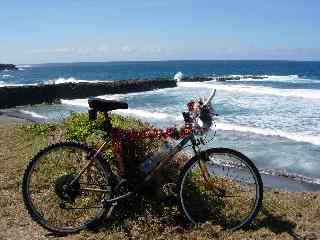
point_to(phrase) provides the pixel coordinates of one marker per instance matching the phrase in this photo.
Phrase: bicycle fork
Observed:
(203, 158)
(203, 167)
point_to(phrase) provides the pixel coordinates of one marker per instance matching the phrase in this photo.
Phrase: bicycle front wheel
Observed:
(223, 187)
(51, 198)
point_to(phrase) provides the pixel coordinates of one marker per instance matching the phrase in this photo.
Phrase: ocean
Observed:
(275, 121)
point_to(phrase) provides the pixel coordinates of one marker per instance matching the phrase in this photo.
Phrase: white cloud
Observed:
(154, 50)
(128, 49)
(103, 50)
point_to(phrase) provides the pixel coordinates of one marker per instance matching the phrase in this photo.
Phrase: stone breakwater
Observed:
(12, 96)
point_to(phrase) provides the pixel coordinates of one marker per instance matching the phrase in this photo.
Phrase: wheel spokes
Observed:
(87, 195)
(226, 195)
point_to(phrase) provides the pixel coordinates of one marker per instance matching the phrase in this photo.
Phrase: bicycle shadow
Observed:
(276, 223)
(144, 211)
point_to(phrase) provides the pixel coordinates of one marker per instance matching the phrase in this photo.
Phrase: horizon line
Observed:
(168, 60)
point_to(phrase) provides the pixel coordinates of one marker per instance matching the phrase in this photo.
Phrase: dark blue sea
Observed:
(275, 120)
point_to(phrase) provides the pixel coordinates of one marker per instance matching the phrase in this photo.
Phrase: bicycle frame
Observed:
(190, 137)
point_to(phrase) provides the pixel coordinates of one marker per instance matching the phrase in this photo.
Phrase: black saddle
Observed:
(102, 105)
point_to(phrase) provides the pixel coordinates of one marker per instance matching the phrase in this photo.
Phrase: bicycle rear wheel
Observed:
(223, 188)
(56, 207)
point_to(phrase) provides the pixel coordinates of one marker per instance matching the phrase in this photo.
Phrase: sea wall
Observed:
(12, 96)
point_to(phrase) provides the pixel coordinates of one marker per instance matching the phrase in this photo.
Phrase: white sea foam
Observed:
(298, 137)
(6, 84)
(298, 93)
(6, 76)
(66, 80)
(144, 93)
(280, 78)
(24, 66)
(84, 101)
(142, 113)
(54, 81)
(272, 78)
(76, 102)
(33, 114)
(178, 76)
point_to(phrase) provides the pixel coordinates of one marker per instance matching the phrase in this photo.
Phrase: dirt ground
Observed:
(284, 215)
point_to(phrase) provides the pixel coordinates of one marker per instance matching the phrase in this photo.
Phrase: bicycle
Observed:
(68, 187)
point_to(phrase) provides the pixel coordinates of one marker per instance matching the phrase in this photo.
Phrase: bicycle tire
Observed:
(211, 201)
(38, 171)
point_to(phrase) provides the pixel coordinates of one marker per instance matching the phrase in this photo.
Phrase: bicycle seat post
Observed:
(107, 123)
(105, 106)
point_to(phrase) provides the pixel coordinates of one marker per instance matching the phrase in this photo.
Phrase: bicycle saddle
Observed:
(102, 105)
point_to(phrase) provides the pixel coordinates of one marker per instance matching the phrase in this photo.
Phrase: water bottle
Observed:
(153, 161)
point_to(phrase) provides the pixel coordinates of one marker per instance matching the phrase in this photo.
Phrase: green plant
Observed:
(79, 127)
(39, 128)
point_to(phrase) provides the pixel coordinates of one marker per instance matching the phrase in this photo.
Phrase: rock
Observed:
(196, 79)
(225, 78)
(7, 67)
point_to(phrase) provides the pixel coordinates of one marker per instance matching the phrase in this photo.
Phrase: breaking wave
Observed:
(66, 80)
(270, 132)
(33, 114)
(24, 66)
(280, 78)
(76, 102)
(143, 114)
(257, 90)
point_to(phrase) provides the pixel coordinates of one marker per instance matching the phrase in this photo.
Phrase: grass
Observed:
(284, 215)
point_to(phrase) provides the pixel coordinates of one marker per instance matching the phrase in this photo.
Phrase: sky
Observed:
(37, 31)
